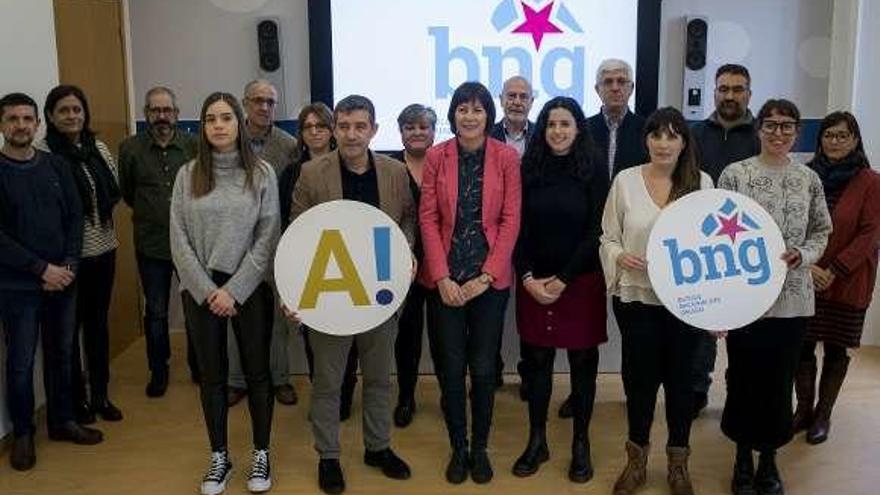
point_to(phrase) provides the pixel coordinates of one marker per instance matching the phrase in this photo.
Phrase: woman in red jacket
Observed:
(469, 216)
(844, 277)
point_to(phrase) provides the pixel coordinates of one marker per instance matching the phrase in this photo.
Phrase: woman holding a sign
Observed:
(224, 228)
(469, 217)
(561, 300)
(658, 348)
(763, 355)
(845, 275)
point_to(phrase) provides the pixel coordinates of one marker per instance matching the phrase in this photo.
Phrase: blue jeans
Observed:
(156, 281)
(467, 340)
(25, 315)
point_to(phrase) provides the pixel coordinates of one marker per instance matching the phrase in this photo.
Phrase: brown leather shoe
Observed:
(23, 456)
(234, 395)
(634, 474)
(678, 477)
(286, 394)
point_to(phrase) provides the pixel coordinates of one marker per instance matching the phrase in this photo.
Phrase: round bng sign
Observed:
(714, 259)
(344, 267)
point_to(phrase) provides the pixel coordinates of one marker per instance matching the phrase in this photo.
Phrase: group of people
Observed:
(557, 210)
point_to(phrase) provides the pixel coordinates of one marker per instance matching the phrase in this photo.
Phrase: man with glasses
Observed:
(616, 130)
(727, 136)
(148, 165)
(515, 128)
(278, 148)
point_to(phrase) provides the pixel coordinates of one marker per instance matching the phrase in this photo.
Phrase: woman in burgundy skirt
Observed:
(560, 302)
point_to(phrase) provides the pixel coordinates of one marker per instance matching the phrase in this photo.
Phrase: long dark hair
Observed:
(584, 156)
(325, 116)
(105, 189)
(203, 171)
(832, 119)
(686, 176)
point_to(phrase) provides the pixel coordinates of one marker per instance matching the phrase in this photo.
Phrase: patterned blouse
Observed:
(469, 245)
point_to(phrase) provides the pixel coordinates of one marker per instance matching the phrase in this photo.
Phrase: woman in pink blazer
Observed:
(469, 217)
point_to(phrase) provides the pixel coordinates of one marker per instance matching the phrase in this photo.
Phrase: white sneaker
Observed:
(259, 480)
(214, 482)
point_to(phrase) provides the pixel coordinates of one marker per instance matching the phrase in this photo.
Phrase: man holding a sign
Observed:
(353, 173)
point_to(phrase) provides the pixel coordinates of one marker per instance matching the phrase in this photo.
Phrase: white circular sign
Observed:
(714, 259)
(344, 267)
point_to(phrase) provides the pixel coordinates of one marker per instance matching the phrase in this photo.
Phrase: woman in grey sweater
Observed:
(763, 355)
(224, 228)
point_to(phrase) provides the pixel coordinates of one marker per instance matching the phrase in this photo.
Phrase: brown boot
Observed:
(678, 477)
(633, 476)
(805, 390)
(833, 373)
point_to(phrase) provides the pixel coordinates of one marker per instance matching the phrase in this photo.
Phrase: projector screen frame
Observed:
(647, 54)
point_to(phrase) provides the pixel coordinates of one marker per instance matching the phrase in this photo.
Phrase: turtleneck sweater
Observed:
(233, 229)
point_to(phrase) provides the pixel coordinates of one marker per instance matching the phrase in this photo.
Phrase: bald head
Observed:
(516, 101)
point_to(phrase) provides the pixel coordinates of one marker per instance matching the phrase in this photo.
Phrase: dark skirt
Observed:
(577, 320)
(836, 323)
(761, 362)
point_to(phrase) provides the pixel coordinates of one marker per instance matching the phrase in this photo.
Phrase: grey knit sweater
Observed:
(231, 229)
(794, 197)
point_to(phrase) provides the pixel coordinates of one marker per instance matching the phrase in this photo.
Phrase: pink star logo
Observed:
(730, 227)
(537, 24)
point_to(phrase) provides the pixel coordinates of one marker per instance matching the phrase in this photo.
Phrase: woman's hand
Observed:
(632, 262)
(221, 303)
(473, 288)
(555, 287)
(822, 278)
(792, 258)
(537, 288)
(450, 292)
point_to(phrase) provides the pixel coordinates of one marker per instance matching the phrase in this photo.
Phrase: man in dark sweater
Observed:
(616, 130)
(40, 241)
(727, 136)
(148, 165)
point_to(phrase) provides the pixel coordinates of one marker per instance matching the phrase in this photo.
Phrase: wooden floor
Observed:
(161, 446)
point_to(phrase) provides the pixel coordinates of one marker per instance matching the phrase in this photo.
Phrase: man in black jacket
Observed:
(515, 128)
(40, 240)
(727, 136)
(616, 130)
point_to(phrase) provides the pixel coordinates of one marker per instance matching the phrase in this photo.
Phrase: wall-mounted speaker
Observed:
(696, 44)
(270, 59)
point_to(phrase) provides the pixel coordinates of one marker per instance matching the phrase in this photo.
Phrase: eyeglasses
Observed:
(840, 137)
(786, 128)
(620, 81)
(316, 127)
(258, 101)
(161, 110)
(736, 90)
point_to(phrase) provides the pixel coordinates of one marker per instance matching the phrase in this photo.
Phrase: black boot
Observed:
(743, 482)
(535, 454)
(805, 390)
(833, 373)
(581, 468)
(767, 480)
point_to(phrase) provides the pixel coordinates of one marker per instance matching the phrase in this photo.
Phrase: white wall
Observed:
(866, 107)
(196, 47)
(784, 43)
(30, 65)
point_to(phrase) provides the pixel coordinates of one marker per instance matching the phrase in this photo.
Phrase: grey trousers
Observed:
(376, 354)
(279, 353)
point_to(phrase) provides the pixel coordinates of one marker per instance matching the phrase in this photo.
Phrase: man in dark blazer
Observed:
(354, 172)
(515, 128)
(616, 130)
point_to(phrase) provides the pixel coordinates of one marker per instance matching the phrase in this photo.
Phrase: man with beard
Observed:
(277, 148)
(40, 240)
(148, 165)
(727, 136)
(515, 128)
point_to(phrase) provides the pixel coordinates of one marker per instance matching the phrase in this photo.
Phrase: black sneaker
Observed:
(214, 482)
(330, 477)
(481, 468)
(458, 467)
(391, 465)
(259, 479)
(23, 456)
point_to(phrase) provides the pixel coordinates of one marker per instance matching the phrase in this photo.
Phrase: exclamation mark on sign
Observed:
(382, 248)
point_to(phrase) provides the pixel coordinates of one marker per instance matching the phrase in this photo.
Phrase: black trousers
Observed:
(253, 332)
(658, 349)
(583, 366)
(408, 346)
(94, 287)
(761, 361)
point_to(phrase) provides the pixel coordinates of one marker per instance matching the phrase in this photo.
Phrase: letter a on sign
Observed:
(331, 244)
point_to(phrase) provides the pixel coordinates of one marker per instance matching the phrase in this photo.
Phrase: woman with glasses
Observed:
(844, 276)
(763, 355)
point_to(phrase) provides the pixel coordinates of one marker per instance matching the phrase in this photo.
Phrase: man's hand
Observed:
(56, 278)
